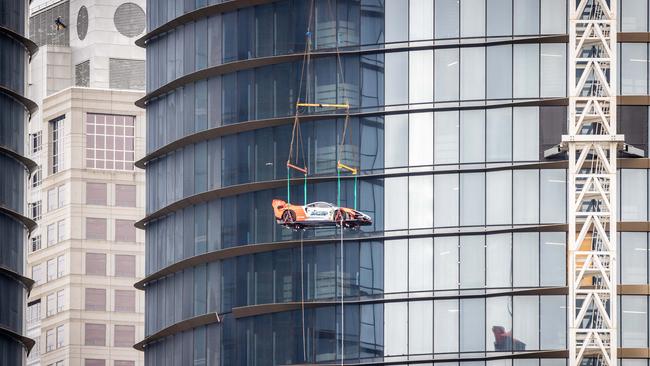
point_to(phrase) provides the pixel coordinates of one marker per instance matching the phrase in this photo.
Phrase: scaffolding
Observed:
(592, 145)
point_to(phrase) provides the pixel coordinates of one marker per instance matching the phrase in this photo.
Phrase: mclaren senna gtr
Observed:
(318, 214)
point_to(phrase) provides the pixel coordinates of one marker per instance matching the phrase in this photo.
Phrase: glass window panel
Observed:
(446, 18)
(634, 15)
(553, 325)
(525, 327)
(445, 139)
(396, 266)
(420, 327)
(472, 136)
(396, 203)
(472, 325)
(526, 67)
(445, 263)
(420, 76)
(499, 134)
(472, 262)
(420, 202)
(421, 264)
(634, 68)
(445, 200)
(553, 259)
(553, 196)
(396, 145)
(498, 324)
(526, 16)
(472, 73)
(499, 17)
(553, 70)
(634, 189)
(396, 26)
(472, 18)
(633, 264)
(396, 85)
(634, 321)
(553, 16)
(445, 326)
(446, 74)
(499, 71)
(525, 194)
(525, 252)
(420, 24)
(499, 198)
(420, 135)
(525, 134)
(498, 260)
(396, 328)
(472, 199)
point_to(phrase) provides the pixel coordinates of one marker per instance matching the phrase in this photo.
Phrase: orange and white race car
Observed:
(317, 214)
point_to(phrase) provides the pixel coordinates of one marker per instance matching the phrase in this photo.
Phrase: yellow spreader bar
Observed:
(343, 166)
(323, 105)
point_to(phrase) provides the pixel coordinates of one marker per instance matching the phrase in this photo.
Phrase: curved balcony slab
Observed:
(27, 343)
(28, 283)
(29, 164)
(29, 224)
(179, 327)
(30, 106)
(29, 45)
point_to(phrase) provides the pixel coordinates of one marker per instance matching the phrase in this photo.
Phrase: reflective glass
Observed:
(445, 326)
(446, 74)
(472, 136)
(553, 16)
(525, 327)
(634, 68)
(553, 325)
(446, 18)
(634, 321)
(552, 196)
(445, 139)
(472, 262)
(472, 73)
(445, 200)
(420, 136)
(397, 23)
(499, 71)
(499, 17)
(396, 330)
(420, 76)
(420, 202)
(396, 134)
(472, 199)
(472, 18)
(553, 70)
(498, 260)
(633, 263)
(472, 325)
(420, 24)
(498, 323)
(634, 15)
(525, 252)
(525, 134)
(445, 263)
(634, 188)
(552, 259)
(396, 85)
(396, 266)
(396, 203)
(526, 68)
(421, 264)
(499, 198)
(525, 195)
(498, 134)
(526, 16)
(420, 327)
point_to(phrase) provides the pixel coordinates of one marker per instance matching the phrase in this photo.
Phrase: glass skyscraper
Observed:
(15, 109)
(453, 105)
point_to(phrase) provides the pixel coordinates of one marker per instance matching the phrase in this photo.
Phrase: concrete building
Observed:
(15, 109)
(468, 120)
(86, 194)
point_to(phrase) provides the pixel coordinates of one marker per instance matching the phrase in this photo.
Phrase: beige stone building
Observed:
(86, 195)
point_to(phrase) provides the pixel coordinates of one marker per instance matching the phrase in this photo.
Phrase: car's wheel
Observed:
(339, 216)
(289, 217)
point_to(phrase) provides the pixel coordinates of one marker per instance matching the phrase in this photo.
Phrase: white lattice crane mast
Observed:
(592, 145)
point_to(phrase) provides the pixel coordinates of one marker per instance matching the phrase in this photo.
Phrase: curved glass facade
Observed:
(13, 117)
(453, 104)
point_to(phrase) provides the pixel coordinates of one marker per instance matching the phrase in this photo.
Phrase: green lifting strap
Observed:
(338, 190)
(288, 185)
(355, 192)
(305, 189)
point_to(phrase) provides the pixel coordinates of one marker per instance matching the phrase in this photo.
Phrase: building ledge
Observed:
(179, 327)
(29, 45)
(28, 283)
(30, 106)
(29, 224)
(29, 164)
(27, 343)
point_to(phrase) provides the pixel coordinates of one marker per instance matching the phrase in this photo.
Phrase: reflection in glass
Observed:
(472, 136)
(420, 202)
(472, 18)
(526, 322)
(498, 260)
(525, 251)
(499, 197)
(499, 71)
(445, 263)
(525, 195)
(420, 327)
(445, 200)
(633, 263)
(445, 139)
(472, 325)
(472, 262)
(396, 266)
(420, 75)
(634, 189)
(420, 136)
(445, 326)
(396, 144)
(472, 199)
(472, 73)
(420, 24)
(396, 331)
(553, 259)
(526, 68)
(420, 264)
(446, 74)
(446, 18)
(634, 321)
(499, 17)
(498, 325)
(553, 325)
(526, 16)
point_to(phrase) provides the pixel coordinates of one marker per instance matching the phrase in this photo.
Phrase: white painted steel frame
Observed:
(592, 143)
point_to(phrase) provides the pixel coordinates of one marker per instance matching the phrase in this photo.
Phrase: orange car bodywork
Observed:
(280, 206)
